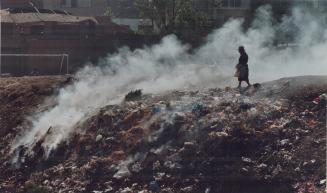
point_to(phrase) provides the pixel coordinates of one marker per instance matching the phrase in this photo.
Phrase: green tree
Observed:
(109, 13)
(168, 15)
(187, 17)
(156, 10)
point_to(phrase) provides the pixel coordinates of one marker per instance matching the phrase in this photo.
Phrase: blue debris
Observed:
(156, 109)
(197, 108)
(154, 186)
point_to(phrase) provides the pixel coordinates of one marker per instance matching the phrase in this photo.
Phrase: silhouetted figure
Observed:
(242, 69)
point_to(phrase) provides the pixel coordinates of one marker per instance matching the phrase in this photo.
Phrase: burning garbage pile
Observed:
(217, 140)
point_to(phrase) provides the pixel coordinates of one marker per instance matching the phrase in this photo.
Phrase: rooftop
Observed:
(30, 16)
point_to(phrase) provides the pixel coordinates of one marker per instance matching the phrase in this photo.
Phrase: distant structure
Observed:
(48, 32)
(125, 13)
(219, 11)
(78, 7)
(4, 4)
(281, 7)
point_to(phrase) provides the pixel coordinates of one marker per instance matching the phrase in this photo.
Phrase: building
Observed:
(125, 13)
(46, 37)
(282, 6)
(4, 4)
(78, 7)
(231, 9)
(219, 11)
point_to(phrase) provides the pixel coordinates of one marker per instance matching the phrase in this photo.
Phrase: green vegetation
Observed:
(109, 13)
(170, 15)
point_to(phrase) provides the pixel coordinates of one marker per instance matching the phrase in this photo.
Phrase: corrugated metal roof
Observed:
(7, 17)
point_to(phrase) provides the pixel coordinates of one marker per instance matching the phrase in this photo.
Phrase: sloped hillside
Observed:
(268, 138)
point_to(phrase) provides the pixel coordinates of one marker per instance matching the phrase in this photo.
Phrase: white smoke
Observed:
(171, 65)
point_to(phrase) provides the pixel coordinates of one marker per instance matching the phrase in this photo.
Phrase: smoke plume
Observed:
(171, 65)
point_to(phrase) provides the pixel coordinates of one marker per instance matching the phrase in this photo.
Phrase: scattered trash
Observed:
(134, 95)
(122, 173)
(246, 106)
(177, 143)
(126, 190)
(208, 190)
(284, 142)
(197, 108)
(322, 182)
(154, 186)
(246, 160)
(156, 109)
(98, 138)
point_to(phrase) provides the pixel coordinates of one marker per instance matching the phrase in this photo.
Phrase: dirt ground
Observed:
(20, 96)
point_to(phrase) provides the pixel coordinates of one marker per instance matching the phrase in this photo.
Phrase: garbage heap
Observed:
(217, 140)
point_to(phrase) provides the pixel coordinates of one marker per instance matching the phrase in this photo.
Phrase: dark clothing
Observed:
(243, 68)
(243, 58)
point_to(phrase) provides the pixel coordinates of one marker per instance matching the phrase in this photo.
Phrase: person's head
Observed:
(241, 49)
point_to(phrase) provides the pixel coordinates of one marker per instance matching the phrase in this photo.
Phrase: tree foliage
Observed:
(169, 15)
(109, 13)
(187, 17)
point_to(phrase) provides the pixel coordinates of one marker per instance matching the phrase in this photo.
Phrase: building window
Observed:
(84, 3)
(74, 3)
(64, 3)
(238, 3)
(232, 3)
(225, 3)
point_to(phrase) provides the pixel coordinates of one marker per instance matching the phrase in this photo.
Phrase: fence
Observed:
(42, 63)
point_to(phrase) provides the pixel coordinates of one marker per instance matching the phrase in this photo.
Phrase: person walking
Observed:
(242, 69)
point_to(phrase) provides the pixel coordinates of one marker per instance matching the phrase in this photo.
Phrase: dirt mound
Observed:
(20, 96)
(265, 139)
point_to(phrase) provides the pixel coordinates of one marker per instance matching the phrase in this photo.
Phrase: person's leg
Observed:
(239, 84)
(248, 82)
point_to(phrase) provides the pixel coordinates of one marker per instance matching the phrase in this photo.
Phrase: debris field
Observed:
(268, 138)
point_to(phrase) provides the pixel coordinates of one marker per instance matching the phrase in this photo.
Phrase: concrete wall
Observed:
(78, 51)
(78, 42)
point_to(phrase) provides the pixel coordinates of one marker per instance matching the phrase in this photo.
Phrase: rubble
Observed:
(133, 95)
(184, 141)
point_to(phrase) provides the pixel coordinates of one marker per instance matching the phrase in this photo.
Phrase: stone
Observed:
(98, 138)
(322, 182)
(122, 173)
(187, 189)
(262, 166)
(246, 160)
(126, 190)
(284, 142)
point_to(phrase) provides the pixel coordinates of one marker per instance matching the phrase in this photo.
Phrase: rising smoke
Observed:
(171, 65)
